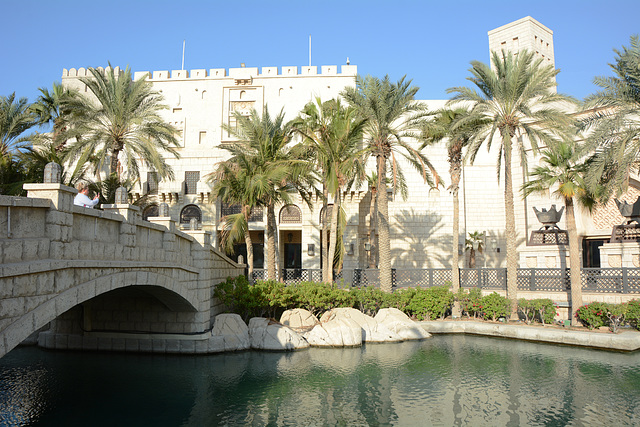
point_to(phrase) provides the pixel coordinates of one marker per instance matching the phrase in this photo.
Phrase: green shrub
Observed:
(469, 301)
(494, 306)
(241, 297)
(633, 313)
(426, 304)
(616, 315)
(593, 315)
(541, 309)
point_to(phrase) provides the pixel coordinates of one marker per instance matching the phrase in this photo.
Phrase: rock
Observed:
(267, 334)
(372, 331)
(233, 331)
(399, 323)
(340, 332)
(299, 319)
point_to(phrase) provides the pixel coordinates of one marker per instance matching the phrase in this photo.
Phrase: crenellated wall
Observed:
(216, 73)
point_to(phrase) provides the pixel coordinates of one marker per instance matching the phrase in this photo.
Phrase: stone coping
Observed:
(624, 341)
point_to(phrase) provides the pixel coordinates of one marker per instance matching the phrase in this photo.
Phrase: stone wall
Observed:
(56, 256)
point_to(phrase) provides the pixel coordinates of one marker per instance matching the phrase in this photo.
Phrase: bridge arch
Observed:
(168, 291)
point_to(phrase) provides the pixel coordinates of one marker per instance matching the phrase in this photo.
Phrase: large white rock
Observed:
(233, 331)
(335, 333)
(266, 334)
(299, 319)
(399, 323)
(372, 331)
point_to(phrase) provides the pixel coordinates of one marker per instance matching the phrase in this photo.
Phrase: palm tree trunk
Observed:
(271, 242)
(333, 238)
(372, 227)
(455, 261)
(512, 256)
(113, 165)
(574, 260)
(384, 245)
(325, 236)
(248, 243)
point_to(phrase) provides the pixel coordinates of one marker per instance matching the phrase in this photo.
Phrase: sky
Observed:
(431, 42)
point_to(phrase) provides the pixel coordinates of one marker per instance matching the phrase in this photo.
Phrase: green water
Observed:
(447, 380)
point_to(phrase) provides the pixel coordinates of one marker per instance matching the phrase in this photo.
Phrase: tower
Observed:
(525, 33)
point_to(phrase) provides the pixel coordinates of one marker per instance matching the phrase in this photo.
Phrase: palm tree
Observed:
(614, 120)
(372, 181)
(15, 119)
(334, 134)
(392, 116)
(277, 173)
(52, 107)
(563, 170)
(473, 243)
(120, 124)
(516, 98)
(234, 183)
(444, 127)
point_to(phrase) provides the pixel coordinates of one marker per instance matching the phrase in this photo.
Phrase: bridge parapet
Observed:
(56, 256)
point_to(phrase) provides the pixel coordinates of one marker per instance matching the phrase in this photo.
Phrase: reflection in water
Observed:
(447, 380)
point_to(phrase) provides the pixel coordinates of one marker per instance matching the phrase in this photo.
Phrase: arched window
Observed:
(188, 212)
(290, 214)
(151, 210)
(327, 216)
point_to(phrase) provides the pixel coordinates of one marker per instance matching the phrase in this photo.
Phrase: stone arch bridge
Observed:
(93, 274)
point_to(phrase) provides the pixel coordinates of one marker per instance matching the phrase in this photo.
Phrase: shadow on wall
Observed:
(420, 249)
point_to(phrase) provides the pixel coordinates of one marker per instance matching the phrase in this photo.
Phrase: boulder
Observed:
(267, 334)
(299, 319)
(340, 332)
(229, 333)
(399, 323)
(372, 331)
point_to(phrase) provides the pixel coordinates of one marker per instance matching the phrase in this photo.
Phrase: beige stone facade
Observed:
(201, 101)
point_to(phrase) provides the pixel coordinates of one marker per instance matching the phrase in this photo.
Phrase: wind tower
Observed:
(525, 33)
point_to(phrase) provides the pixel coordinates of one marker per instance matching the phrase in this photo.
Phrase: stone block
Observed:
(173, 346)
(132, 344)
(66, 300)
(216, 344)
(30, 249)
(56, 250)
(89, 343)
(12, 251)
(187, 346)
(157, 327)
(104, 344)
(11, 307)
(62, 341)
(25, 285)
(72, 250)
(43, 248)
(75, 342)
(167, 316)
(159, 346)
(45, 283)
(64, 279)
(201, 347)
(174, 328)
(117, 344)
(6, 287)
(86, 291)
(145, 345)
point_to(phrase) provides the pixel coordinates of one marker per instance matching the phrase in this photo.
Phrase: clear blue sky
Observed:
(431, 42)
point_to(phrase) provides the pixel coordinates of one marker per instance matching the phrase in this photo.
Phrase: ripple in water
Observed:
(446, 380)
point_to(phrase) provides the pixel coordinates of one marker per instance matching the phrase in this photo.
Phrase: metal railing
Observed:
(601, 280)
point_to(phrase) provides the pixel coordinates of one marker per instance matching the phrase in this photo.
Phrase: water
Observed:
(447, 380)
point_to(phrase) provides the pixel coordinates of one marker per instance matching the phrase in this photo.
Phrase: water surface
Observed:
(446, 380)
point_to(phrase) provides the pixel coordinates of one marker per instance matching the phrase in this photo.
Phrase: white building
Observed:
(200, 101)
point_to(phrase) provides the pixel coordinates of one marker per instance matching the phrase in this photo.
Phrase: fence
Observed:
(598, 280)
